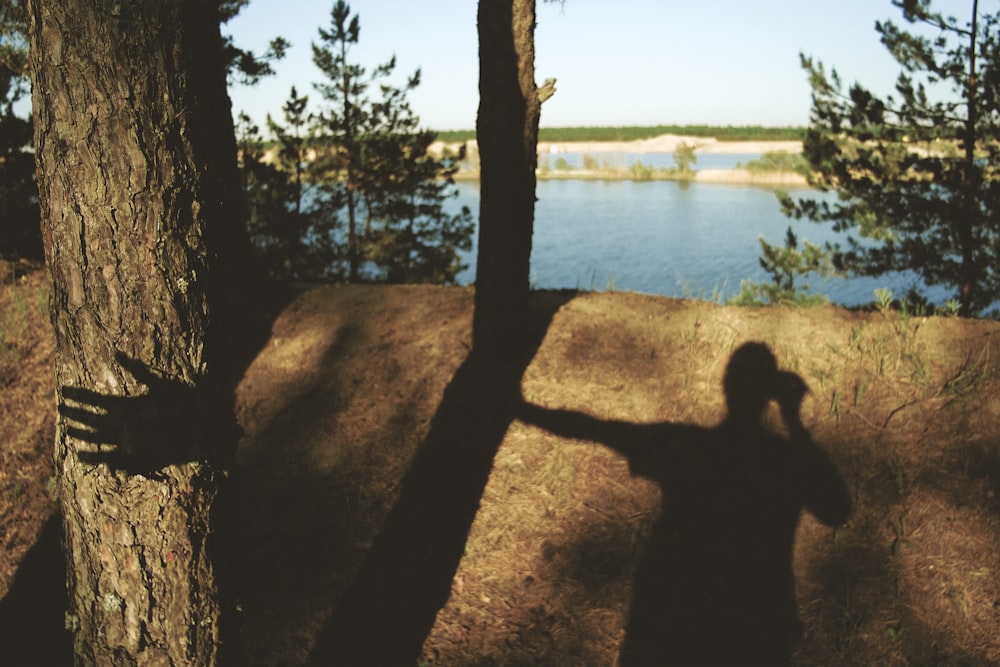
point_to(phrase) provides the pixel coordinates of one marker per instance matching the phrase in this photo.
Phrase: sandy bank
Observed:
(743, 177)
(668, 143)
(774, 179)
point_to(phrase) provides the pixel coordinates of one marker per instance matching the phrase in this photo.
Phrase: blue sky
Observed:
(617, 62)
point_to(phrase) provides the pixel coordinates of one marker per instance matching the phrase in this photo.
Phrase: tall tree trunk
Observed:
(137, 175)
(507, 132)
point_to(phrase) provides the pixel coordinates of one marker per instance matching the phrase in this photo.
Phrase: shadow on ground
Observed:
(387, 611)
(715, 582)
(32, 614)
(354, 492)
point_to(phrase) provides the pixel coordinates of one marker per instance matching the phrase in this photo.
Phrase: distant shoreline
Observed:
(666, 143)
(770, 179)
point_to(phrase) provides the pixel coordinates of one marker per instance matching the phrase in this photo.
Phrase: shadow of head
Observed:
(752, 380)
(749, 379)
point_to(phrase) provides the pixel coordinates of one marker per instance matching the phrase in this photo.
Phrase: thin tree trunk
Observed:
(353, 246)
(970, 279)
(507, 132)
(137, 175)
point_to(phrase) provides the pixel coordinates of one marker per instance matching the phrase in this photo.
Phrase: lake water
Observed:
(662, 237)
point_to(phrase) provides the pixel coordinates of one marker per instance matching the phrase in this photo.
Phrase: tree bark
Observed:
(137, 175)
(507, 133)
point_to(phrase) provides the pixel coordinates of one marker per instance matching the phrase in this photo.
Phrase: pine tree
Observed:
(416, 238)
(243, 66)
(786, 264)
(372, 153)
(20, 234)
(915, 176)
(291, 224)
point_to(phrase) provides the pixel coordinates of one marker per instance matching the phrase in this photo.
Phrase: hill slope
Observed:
(336, 407)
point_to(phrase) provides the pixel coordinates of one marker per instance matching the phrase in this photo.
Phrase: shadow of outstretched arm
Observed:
(823, 491)
(137, 434)
(578, 425)
(643, 444)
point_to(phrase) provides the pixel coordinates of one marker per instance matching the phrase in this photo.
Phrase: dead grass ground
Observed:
(26, 417)
(339, 401)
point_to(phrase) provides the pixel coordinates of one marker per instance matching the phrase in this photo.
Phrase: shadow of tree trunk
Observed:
(386, 613)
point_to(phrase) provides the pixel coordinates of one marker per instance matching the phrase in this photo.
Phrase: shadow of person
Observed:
(714, 585)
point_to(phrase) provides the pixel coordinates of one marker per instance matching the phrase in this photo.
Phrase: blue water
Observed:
(662, 237)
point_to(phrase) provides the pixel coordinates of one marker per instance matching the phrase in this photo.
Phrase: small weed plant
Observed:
(786, 264)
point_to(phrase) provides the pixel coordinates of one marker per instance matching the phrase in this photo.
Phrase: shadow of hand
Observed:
(136, 434)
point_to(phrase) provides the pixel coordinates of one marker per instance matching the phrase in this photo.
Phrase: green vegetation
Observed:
(350, 191)
(642, 172)
(19, 231)
(633, 133)
(785, 265)
(778, 161)
(881, 157)
(292, 234)
(243, 66)
(685, 158)
(637, 171)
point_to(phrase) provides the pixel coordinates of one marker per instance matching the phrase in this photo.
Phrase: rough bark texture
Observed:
(507, 132)
(136, 166)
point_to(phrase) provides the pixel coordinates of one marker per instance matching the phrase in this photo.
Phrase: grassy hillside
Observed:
(383, 473)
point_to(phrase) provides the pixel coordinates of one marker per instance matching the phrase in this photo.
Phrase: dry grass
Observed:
(339, 402)
(26, 414)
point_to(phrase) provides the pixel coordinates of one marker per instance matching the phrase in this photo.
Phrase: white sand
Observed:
(668, 143)
(743, 177)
